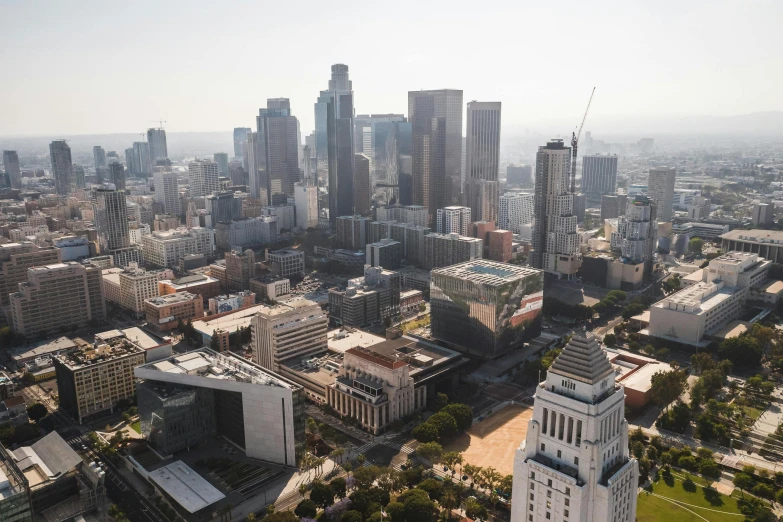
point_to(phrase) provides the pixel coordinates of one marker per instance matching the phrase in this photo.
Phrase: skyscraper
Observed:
(575, 464)
(62, 167)
(555, 241)
(203, 178)
(157, 144)
(240, 141)
(131, 161)
(111, 219)
(277, 150)
(78, 176)
(454, 220)
(361, 185)
(221, 158)
(117, 175)
(482, 163)
(257, 191)
(339, 81)
(637, 233)
(143, 159)
(436, 121)
(660, 188)
(336, 109)
(11, 166)
(515, 209)
(99, 156)
(599, 174)
(167, 192)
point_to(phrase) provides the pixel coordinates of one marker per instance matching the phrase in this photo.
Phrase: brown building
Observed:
(164, 312)
(15, 259)
(500, 245)
(240, 269)
(164, 222)
(205, 286)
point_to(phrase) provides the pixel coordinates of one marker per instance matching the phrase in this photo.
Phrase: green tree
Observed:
(666, 386)
(702, 361)
(352, 516)
(610, 340)
(743, 481)
(462, 413)
(434, 488)
(37, 412)
(632, 310)
(441, 400)
(322, 495)
(28, 379)
(306, 509)
(709, 468)
(474, 510)
(744, 351)
(396, 512)
(418, 508)
(695, 245)
(430, 451)
(214, 344)
(426, 432)
(445, 423)
(338, 486)
(279, 516)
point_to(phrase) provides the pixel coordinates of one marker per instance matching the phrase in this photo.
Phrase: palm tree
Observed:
(302, 489)
(360, 458)
(447, 500)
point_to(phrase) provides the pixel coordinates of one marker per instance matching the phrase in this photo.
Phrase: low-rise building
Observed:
(92, 380)
(766, 243)
(205, 286)
(270, 287)
(164, 312)
(229, 302)
(286, 262)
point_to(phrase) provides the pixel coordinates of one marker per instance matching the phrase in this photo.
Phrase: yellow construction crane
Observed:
(575, 142)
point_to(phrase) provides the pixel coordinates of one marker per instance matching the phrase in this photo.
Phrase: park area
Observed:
(493, 441)
(674, 498)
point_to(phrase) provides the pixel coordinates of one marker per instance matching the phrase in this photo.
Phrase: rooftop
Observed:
(99, 353)
(46, 348)
(379, 358)
(169, 299)
(483, 271)
(185, 486)
(342, 340)
(191, 280)
(756, 235)
(582, 359)
(698, 298)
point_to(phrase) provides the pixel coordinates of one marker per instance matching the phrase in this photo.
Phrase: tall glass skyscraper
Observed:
(277, 151)
(482, 160)
(157, 143)
(62, 166)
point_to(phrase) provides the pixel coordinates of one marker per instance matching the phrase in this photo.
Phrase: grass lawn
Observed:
(136, 426)
(709, 504)
(751, 412)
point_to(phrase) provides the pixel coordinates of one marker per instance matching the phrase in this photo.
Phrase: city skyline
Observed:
(638, 82)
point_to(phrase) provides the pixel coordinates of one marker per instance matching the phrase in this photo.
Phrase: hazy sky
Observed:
(84, 67)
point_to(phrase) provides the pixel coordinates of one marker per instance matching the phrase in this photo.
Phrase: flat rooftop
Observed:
(168, 299)
(483, 271)
(46, 348)
(191, 280)
(344, 339)
(185, 486)
(697, 299)
(734, 329)
(209, 364)
(771, 287)
(88, 356)
(755, 235)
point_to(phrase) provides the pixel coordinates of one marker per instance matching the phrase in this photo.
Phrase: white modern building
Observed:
(413, 214)
(703, 308)
(292, 329)
(191, 398)
(599, 174)
(635, 236)
(453, 220)
(306, 203)
(660, 188)
(165, 248)
(203, 178)
(244, 233)
(137, 285)
(285, 214)
(515, 210)
(574, 464)
(167, 191)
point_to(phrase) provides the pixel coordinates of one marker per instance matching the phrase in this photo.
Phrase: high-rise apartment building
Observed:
(599, 174)
(240, 141)
(637, 233)
(99, 156)
(157, 144)
(334, 128)
(111, 219)
(306, 205)
(116, 175)
(15, 259)
(221, 158)
(142, 158)
(613, 205)
(277, 150)
(62, 166)
(575, 462)
(660, 188)
(482, 160)
(203, 177)
(413, 214)
(555, 240)
(500, 245)
(55, 297)
(386, 253)
(488, 308)
(167, 191)
(296, 328)
(454, 220)
(361, 185)
(164, 249)
(240, 269)
(515, 210)
(519, 176)
(436, 123)
(11, 167)
(763, 215)
(450, 249)
(223, 207)
(137, 285)
(353, 232)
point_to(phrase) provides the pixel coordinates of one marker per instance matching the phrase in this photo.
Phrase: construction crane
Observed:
(575, 142)
(161, 123)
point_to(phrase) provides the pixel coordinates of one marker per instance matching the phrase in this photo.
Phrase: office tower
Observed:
(99, 156)
(112, 157)
(763, 215)
(361, 185)
(62, 167)
(515, 209)
(223, 207)
(246, 232)
(93, 379)
(167, 191)
(334, 127)
(486, 308)
(612, 206)
(255, 409)
(453, 220)
(240, 141)
(117, 175)
(555, 241)
(575, 464)
(700, 208)
(277, 150)
(294, 329)
(414, 214)
(11, 166)
(236, 173)
(383, 138)
(306, 205)
(57, 297)
(203, 178)
(599, 174)
(519, 176)
(637, 233)
(221, 158)
(580, 207)
(156, 138)
(131, 160)
(307, 167)
(660, 188)
(78, 176)
(353, 232)
(240, 269)
(436, 122)
(286, 262)
(386, 253)
(258, 190)
(111, 219)
(482, 160)
(450, 249)
(15, 259)
(141, 152)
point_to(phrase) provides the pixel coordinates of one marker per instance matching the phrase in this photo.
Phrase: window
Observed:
(549, 483)
(530, 518)
(549, 494)
(543, 447)
(548, 515)
(565, 513)
(567, 502)
(576, 461)
(533, 475)
(531, 507)
(568, 491)
(532, 486)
